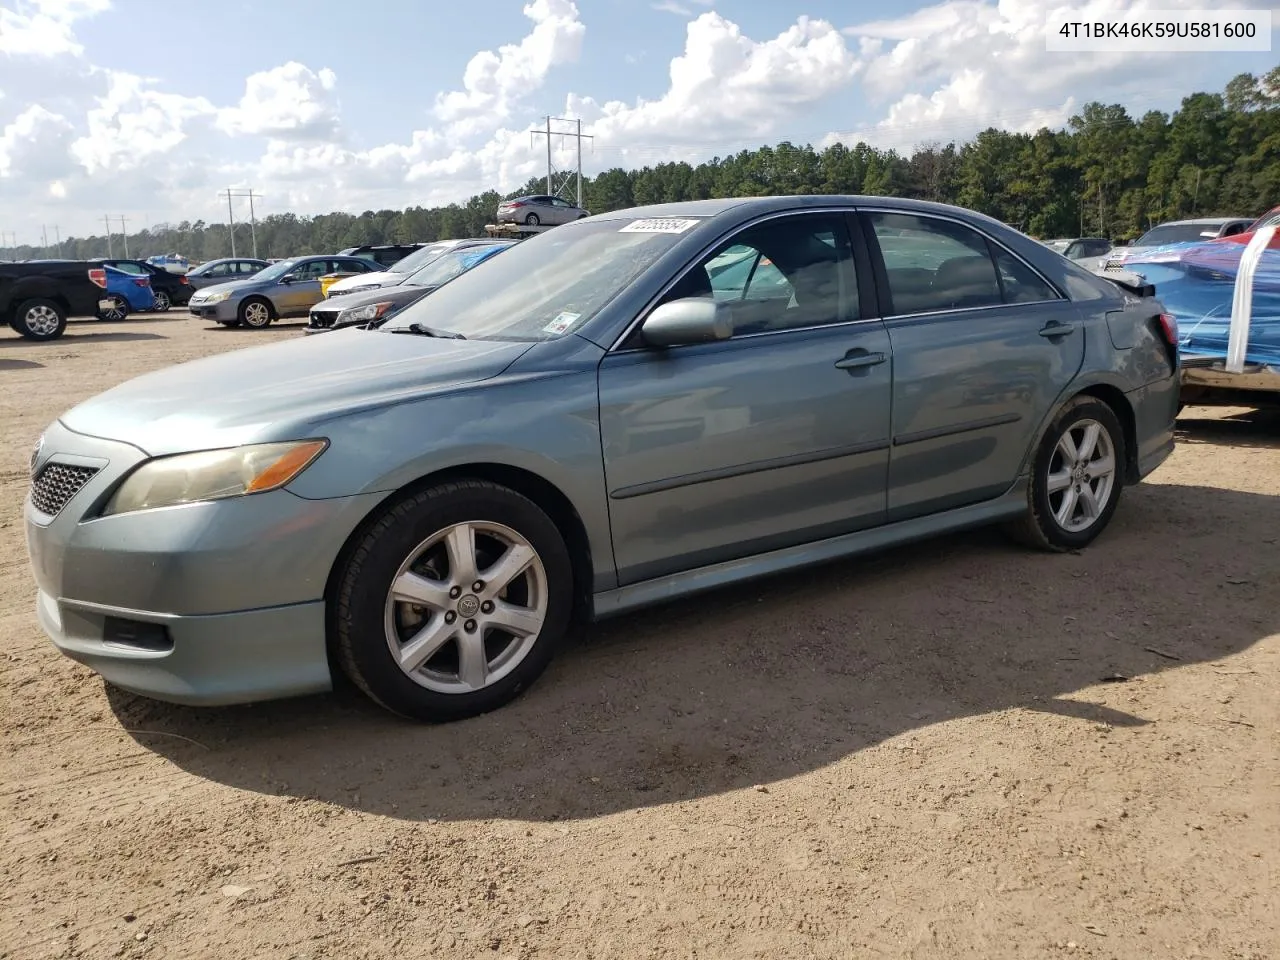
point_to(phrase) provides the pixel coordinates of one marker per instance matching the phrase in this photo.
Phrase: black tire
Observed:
(359, 604)
(39, 319)
(532, 220)
(1039, 526)
(163, 302)
(249, 315)
(119, 312)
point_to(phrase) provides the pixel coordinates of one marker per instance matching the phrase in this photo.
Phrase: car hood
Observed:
(382, 278)
(231, 286)
(284, 390)
(397, 294)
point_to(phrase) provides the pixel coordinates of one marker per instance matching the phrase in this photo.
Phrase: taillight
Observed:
(1169, 327)
(98, 277)
(183, 280)
(142, 281)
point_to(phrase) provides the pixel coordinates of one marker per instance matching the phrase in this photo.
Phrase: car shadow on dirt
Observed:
(1250, 428)
(8, 364)
(762, 682)
(73, 336)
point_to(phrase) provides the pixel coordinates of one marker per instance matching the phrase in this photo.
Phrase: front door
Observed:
(774, 437)
(983, 347)
(302, 291)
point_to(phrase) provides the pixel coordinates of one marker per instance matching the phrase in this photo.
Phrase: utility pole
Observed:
(553, 189)
(57, 236)
(253, 220)
(124, 234)
(231, 223)
(44, 238)
(107, 220)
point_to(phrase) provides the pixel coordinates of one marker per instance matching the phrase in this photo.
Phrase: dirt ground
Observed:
(959, 749)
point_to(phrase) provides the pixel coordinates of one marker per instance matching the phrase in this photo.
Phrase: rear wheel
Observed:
(255, 313)
(163, 302)
(1076, 478)
(39, 319)
(453, 602)
(118, 310)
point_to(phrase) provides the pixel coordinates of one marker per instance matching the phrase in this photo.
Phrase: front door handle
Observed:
(857, 359)
(1056, 329)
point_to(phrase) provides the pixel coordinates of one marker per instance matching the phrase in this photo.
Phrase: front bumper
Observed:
(237, 585)
(223, 312)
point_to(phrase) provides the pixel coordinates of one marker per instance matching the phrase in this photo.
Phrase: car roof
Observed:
(754, 206)
(1201, 221)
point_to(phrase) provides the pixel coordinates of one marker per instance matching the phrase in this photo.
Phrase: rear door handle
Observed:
(1056, 329)
(856, 359)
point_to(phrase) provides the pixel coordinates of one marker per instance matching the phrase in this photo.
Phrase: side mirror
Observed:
(691, 320)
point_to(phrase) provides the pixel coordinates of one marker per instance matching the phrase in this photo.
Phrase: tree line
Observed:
(1108, 174)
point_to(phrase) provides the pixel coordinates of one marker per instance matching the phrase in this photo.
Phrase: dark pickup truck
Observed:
(37, 296)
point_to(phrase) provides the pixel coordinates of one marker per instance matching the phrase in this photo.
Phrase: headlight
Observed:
(370, 311)
(213, 475)
(217, 297)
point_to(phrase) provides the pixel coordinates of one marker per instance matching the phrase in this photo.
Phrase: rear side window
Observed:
(934, 265)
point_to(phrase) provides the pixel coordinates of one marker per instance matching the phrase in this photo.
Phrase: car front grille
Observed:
(56, 484)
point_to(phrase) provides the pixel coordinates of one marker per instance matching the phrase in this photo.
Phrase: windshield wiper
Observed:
(424, 331)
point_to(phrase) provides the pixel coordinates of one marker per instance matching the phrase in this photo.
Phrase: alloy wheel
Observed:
(1082, 475)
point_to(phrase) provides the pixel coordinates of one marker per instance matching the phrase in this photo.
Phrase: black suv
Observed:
(385, 254)
(171, 289)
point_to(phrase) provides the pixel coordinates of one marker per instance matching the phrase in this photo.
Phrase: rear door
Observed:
(983, 347)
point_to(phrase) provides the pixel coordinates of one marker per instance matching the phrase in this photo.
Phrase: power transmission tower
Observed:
(253, 220)
(554, 188)
(106, 218)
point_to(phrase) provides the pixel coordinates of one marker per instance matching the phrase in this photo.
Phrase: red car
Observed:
(1270, 218)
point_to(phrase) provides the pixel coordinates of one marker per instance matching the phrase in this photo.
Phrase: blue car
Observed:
(124, 293)
(1197, 285)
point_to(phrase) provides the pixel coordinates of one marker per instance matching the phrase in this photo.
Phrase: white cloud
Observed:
(133, 124)
(42, 28)
(34, 146)
(495, 82)
(727, 86)
(290, 102)
(947, 71)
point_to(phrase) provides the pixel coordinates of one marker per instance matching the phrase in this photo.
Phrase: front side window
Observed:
(783, 274)
(219, 270)
(312, 270)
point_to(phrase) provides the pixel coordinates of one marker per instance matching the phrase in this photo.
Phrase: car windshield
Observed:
(544, 287)
(419, 258)
(276, 270)
(1175, 233)
(446, 267)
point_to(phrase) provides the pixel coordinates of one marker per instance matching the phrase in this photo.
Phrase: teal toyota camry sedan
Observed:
(630, 408)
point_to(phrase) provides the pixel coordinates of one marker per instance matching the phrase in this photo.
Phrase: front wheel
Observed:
(453, 602)
(255, 314)
(532, 220)
(1076, 479)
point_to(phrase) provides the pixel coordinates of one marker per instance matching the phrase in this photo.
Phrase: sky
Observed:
(150, 110)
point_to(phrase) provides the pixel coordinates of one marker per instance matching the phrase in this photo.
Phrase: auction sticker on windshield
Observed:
(668, 225)
(561, 322)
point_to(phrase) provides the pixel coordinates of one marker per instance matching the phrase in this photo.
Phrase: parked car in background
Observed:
(581, 427)
(398, 271)
(539, 209)
(1269, 219)
(1176, 231)
(383, 254)
(381, 302)
(172, 262)
(285, 289)
(1080, 248)
(170, 289)
(123, 293)
(223, 271)
(37, 297)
